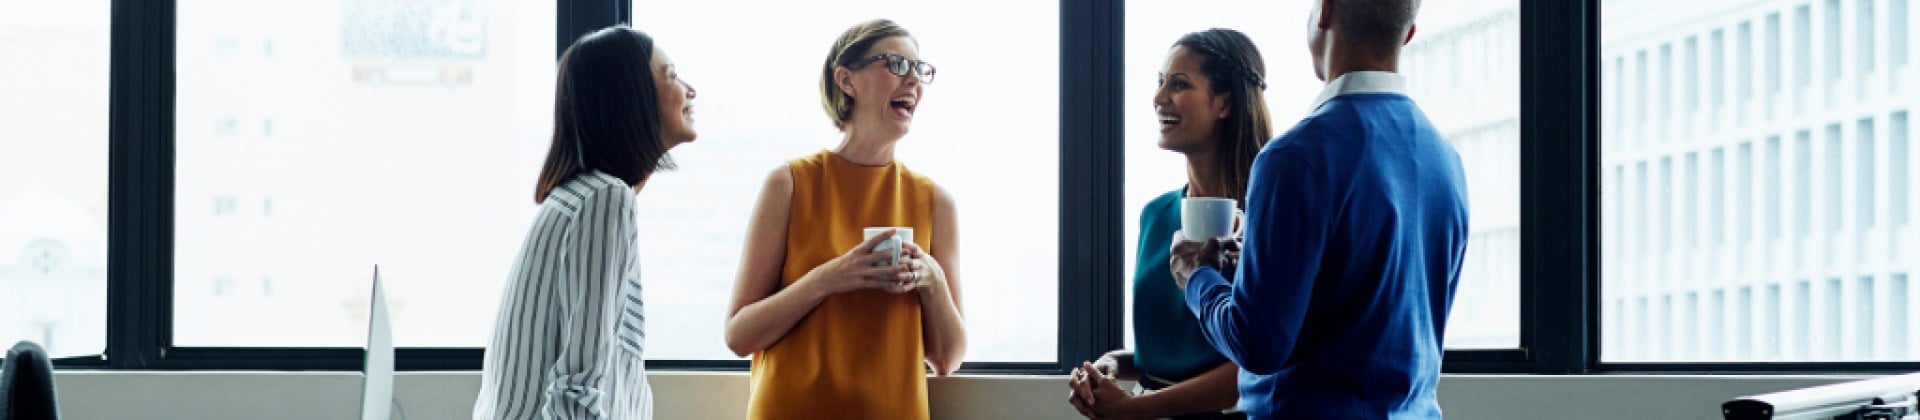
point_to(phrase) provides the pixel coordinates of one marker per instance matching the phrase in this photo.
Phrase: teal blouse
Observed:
(1167, 340)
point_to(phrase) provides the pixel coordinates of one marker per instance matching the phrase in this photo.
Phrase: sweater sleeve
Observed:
(1256, 320)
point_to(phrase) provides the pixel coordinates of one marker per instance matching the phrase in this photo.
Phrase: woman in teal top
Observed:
(1211, 110)
(1168, 346)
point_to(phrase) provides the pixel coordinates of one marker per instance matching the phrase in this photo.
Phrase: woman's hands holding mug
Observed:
(858, 268)
(863, 268)
(918, 270)
(1185, 257)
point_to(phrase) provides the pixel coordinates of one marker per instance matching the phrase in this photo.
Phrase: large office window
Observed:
(53, 175)
(1464, 71)
(987, 132)
(318, 139)
(1825, 288)
(313, 141)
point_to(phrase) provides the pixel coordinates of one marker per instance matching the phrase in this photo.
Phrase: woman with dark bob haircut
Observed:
(569, 336)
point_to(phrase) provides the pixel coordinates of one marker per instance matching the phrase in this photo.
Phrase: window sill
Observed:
(430, 395)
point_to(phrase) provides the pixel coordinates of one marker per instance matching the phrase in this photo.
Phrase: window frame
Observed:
(141, 205)
(1560, 183)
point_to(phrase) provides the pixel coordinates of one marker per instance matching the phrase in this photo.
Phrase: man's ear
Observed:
(1410, 30)
(1326, 14)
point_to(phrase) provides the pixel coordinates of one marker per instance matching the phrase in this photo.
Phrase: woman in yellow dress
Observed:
(836, 331)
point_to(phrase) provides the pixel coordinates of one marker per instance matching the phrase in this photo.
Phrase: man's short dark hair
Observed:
(1381, 25)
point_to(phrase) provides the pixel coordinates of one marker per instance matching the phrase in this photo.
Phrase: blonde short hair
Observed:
(851, 47)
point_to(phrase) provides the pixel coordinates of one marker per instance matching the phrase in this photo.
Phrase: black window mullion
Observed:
(79, 362)
(1771, 368)
(315, 358)
(140, 182)
(262, 358)
(1092, 170)
(1559, 184)
(1485, 361)
(437, 358)
(580, 17)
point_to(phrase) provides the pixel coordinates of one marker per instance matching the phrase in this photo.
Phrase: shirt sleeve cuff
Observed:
(573, 401)
(1202, 287)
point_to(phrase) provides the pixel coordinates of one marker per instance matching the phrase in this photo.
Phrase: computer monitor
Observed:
(376, 388)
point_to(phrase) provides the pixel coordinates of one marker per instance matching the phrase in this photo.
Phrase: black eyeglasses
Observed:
(900, 66)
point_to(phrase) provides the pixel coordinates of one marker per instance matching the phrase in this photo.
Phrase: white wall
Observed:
(88, 395)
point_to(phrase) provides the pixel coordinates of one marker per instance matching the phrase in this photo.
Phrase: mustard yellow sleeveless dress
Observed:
(858, 355)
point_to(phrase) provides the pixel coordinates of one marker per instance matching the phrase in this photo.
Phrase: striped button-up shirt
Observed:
(568, 339)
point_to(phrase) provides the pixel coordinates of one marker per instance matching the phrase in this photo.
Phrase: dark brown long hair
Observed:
(606, 112)
(1234, 65)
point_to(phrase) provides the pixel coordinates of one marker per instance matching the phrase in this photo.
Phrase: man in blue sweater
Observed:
(1356, 224)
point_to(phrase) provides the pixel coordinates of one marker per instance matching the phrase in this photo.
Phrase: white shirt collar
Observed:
(1362, 82)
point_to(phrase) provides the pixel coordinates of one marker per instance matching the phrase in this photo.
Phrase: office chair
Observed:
(26, 384)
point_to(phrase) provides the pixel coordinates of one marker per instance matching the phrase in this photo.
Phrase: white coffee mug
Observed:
(890, 245)
(1203, 218)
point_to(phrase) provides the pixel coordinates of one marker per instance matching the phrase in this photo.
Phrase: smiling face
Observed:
(1185, 104)
(883, 103)
(676, 101)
